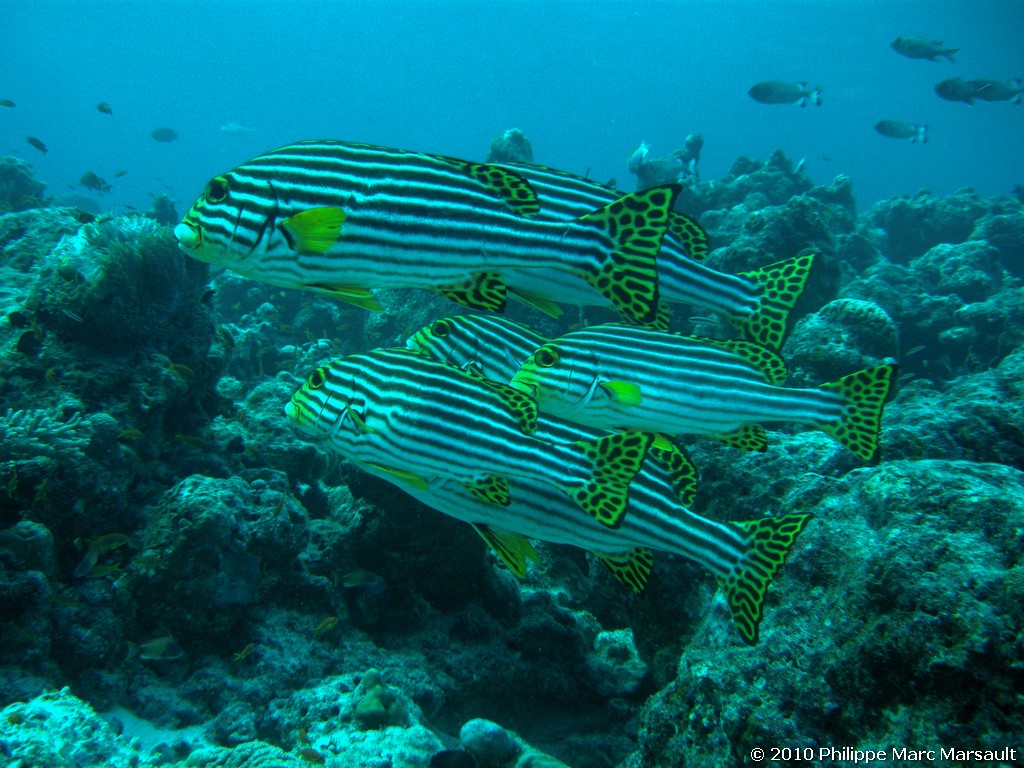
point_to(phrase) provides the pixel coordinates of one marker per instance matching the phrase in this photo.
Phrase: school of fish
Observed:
(573, 440)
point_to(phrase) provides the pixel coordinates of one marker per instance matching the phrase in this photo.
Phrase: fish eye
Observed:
(318, 378)
(217, 190)
(441, 328)
(545, 357)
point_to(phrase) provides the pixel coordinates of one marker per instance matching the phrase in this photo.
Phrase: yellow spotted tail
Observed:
(769, 541)
(864, 394)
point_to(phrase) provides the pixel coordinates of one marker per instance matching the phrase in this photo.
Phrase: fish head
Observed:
(495, 346)
(559, 378)
(449, 339)
(234, 224)
(329, 406)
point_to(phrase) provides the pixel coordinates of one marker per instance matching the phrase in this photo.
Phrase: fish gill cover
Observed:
(233, 514)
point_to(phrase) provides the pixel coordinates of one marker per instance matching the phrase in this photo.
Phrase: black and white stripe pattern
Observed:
(493, 345)
(654, 519)
(684, 385)
(681, 279)
(406, 411)
(411, 220)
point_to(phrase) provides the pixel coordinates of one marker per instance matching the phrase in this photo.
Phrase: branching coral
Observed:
(33, 433)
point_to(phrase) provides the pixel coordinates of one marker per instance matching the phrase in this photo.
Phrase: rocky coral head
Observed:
(377, 705)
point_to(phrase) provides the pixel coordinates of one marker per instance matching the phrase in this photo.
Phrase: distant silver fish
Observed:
(778, 92)
(922, 48)
(236, 128)
(896, 129)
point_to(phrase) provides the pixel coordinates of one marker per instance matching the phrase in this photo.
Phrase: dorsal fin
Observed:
(521, 405)
(492, 489)
(766, 361)
(680, 470)
(689, 234)
(508, 186)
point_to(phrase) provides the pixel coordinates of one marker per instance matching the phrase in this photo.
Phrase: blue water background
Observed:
(586, 81)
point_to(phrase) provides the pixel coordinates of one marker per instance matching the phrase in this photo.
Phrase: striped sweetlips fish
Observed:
(420, 420)
(343, 219)
(756, 303)
(493, 345)
(618, 376)
(743, 556)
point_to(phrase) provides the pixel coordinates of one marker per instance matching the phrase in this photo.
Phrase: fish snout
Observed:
(189, 237)
(291, 411)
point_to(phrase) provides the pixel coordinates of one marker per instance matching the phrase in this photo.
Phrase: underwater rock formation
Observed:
(907, 627)
(511, 147)
(19, 188)
(172, 550)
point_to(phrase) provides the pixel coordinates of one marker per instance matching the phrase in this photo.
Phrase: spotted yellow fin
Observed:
(768, 543)
(402, 476)
(636, 224)
(682, 474)
(661, 322)
(508, 186)
(482, 290)
(520, 404)
(781, 286)
(691, 235)
(630, 568)
(749, 437)
(514, 549)
(766, 361)
(615, 460)
(359, 297)
(864, 394)
(313, 231)
(493, 489)
(623, 392)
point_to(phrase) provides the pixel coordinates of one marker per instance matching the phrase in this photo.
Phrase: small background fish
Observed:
(778, 92)
(923, 48)
(165, 134)
(895, 129)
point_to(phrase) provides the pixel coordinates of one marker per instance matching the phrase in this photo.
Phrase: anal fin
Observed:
(482, 290)
(493, 489)
(630, 568)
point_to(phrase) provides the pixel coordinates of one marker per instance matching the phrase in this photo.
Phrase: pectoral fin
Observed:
(313, 231)
(623, 392)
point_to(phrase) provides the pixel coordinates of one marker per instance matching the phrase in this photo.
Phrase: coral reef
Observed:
(227, 593)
